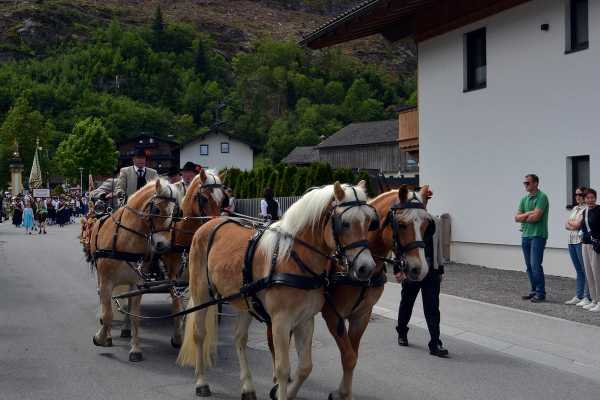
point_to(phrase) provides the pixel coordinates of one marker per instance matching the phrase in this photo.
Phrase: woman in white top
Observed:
(269, 207)
(582, 293)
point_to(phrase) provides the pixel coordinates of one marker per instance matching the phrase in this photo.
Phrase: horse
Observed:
(201, 201)
(121, 245)
(289, 263)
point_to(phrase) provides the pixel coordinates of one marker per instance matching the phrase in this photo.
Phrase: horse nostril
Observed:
(414, 271)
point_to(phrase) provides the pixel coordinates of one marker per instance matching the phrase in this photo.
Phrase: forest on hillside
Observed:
(170, 80)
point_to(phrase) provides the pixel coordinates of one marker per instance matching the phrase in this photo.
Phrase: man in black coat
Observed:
(430, 293)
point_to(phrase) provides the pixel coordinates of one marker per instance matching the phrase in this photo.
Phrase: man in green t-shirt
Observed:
(532, 214)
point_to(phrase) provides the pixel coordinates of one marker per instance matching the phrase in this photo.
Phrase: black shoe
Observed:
(438, 351)
(528, 296)
(403, 339)
(538, 299)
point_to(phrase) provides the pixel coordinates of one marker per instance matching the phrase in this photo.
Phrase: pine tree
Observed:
(158, 25)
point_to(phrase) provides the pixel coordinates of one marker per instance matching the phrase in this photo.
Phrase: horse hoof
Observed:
(203, 391)
(97, 343)
(273, 392)
(135, 357)
(249, 396)
(176, 344)
(126, 333)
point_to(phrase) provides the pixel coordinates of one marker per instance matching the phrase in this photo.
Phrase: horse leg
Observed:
(356, 329)
(126, 330)
(271, 348)
(177, 305)
(135, 354)
(347, 354)
(241, 341)
(281, 341)
(103, 337)
(303, 336)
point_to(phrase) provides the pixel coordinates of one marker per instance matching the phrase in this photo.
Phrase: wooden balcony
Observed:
(408, 129)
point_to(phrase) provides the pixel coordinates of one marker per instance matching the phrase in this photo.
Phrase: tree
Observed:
(24, 125)
(158, 24)
(89, 147)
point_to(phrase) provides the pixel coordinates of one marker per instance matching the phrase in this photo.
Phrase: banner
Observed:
(41, 192)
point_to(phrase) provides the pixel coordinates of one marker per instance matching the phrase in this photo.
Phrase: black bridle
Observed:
(399, 260)
(338, 226)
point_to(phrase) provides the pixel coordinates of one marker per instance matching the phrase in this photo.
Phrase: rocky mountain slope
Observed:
(28, 28)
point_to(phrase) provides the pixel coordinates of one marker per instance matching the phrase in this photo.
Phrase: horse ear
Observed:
(403, 194)
(362, 185)
(157, 186)
(425, 194)
(202, 175)
(338, 191)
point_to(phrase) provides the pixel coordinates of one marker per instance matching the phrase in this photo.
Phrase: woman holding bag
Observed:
(589, 223)
(582, 293)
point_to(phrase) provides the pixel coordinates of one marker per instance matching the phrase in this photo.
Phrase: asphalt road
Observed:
(48, 309)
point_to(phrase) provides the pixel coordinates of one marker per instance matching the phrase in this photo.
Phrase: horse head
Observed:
(407, 226)
(204, 196)
(159, 210)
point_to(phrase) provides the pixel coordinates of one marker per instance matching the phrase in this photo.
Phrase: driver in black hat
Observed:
(134, 177)
(174, 175)
(188, 172)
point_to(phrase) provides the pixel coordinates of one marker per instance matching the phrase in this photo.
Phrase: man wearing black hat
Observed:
(134, 177)
(174, 175)
(188, 172)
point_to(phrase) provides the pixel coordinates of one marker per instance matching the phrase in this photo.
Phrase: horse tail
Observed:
(188, 354)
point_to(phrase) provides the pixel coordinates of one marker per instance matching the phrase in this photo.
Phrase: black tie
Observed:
(141, 180)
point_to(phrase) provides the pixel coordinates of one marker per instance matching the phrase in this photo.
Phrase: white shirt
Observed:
(264, 206)
(574, 237)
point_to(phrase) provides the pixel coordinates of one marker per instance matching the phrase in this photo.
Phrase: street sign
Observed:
(41, 192)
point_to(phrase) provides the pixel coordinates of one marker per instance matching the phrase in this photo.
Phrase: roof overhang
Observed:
(398, 19)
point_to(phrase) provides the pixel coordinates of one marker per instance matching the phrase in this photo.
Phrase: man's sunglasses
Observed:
(526, 183)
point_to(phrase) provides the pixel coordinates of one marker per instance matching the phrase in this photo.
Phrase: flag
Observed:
(35, 177)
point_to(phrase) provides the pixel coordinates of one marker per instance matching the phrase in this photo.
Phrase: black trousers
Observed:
(430, 293)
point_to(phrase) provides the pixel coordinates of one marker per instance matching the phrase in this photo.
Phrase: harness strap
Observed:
(118, 255)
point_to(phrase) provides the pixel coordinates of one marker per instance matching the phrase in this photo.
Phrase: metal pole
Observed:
(81, 179)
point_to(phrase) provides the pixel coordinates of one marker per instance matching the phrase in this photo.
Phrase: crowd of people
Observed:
(583, 225)
(35, 214)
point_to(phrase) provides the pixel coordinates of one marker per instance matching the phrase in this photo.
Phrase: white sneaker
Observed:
(596, 308)
(591, 305)
(583, 302)
(573, 301)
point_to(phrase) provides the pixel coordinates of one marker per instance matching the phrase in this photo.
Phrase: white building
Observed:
(217, 151)
(506, 88)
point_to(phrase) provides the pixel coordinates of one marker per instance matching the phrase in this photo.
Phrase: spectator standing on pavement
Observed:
(17, 217)
(430, 292)
(269, 207)
(532, 214)
(590, 225)
(174, 175)
(41, 214)
(582, 293)
(28, 222)
(228, 202)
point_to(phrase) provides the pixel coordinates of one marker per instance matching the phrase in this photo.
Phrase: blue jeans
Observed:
(577, 258)
(533, 251)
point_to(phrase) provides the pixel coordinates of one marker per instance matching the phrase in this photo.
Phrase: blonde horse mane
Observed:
(139, 199)
(307, 213)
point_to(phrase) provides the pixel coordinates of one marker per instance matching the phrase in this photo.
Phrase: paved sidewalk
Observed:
(566, 345)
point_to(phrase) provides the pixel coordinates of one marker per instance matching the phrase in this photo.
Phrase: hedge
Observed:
(287, 180)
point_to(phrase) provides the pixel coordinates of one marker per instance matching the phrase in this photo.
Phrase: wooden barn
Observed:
(161, 153)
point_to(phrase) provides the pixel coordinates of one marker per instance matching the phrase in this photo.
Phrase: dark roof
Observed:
(302, 155)
(363, 133)
(147, 135)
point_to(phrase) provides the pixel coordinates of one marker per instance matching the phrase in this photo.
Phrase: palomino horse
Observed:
(406, 222)
(121, 245)
(201, 201)
(289, 270)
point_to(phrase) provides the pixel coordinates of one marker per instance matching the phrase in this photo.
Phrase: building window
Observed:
(224, 147)
(475, 60)
(578, 25)
(578, 174)
(203, 149)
